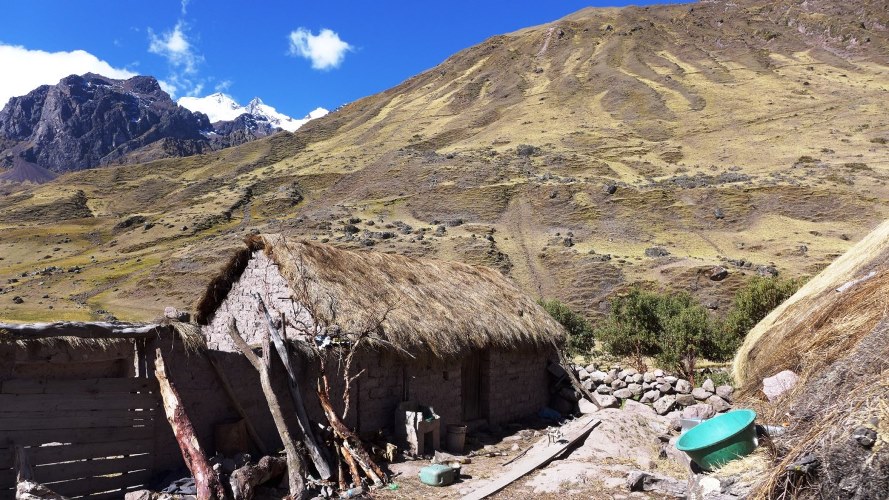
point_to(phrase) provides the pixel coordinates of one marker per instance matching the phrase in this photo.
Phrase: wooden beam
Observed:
(41, 455)
(209, 487)
(295, 466)
(32, 437)
(319, 458)
(99, 330)
(531, 463)
(88, 386)
(18, 403)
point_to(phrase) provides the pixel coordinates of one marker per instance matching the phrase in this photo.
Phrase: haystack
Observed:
(834, 333)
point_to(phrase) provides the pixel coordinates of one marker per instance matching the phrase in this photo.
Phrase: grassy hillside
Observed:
(727, 132)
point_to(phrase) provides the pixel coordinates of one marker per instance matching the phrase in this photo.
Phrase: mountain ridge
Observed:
(222, 107)
(613, 146)
(90, 120)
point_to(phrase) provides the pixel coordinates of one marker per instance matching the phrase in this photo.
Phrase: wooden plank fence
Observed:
(88, 438)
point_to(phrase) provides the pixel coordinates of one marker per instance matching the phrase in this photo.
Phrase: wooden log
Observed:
(316, 453)
(98, 330)
(245, 480)
(236, 403)
(340, 470)
(563, 363)
(23, 470)
(295, 466)
(351, 442)
(353, 467)
(209, 487)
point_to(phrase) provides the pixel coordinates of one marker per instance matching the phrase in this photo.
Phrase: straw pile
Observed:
(834, 333)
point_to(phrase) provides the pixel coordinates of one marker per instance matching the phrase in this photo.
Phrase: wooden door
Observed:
(471, 377)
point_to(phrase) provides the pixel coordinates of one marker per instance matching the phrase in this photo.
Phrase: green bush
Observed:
(580, 331)
(753, 303)
(671, 327)
(632, 326)
(688, 332)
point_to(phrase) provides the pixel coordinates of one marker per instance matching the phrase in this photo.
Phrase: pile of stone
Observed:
(664, 392)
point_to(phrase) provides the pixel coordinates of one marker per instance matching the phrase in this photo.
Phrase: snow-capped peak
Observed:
(222, 107)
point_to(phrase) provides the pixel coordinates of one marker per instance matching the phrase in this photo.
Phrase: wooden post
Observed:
(295, 465)
(209, 487)
(565, 365)
(230, 392)
(319, 459)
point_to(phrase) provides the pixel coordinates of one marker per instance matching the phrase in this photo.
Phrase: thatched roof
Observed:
(834, 333)
(819, 324)
(434, 306)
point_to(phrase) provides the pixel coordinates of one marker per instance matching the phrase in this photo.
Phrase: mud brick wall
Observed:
(518, 384)
(260, 276)
(388, 380)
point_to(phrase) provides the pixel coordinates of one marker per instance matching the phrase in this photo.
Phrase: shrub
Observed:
(687, 333)
(632, 326)
(580, 332)
(753, 303)
(671, 327)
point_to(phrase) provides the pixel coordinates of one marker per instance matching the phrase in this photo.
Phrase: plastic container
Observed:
(437, 475)
(456, 438)
(721, 439)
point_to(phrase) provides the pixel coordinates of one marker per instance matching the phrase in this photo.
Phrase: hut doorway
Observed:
(472, 375)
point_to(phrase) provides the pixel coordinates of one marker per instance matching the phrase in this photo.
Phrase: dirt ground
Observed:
(626, 440)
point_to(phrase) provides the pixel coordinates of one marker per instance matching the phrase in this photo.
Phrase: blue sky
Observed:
(272, 49)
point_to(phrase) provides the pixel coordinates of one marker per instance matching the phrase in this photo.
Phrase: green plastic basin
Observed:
(715, 442)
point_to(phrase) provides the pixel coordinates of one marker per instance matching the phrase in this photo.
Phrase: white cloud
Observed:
(175, 47)
(223, 86)
(184, 4)
(180, 54)
(24, 70)
(326, 50)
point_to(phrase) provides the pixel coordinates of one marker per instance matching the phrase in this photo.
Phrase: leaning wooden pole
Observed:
(319, 459)
(233, 398)
(209, 487)
(295, 465)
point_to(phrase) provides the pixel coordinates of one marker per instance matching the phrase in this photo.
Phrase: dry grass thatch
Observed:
(425, 305)
(834, 332)
(817, 325)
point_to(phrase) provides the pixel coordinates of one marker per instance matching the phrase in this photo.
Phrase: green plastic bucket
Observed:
(715, 442)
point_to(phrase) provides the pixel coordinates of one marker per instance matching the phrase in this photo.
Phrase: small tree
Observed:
(687, 334)
(632, 326)
(580, 332)
(753, 303)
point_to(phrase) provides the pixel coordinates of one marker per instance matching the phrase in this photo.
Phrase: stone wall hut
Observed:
(462, 339)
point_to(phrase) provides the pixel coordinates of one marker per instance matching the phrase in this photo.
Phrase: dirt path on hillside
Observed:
(527, 270)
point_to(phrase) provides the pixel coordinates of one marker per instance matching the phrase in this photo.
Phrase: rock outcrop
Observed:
(88, 121)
